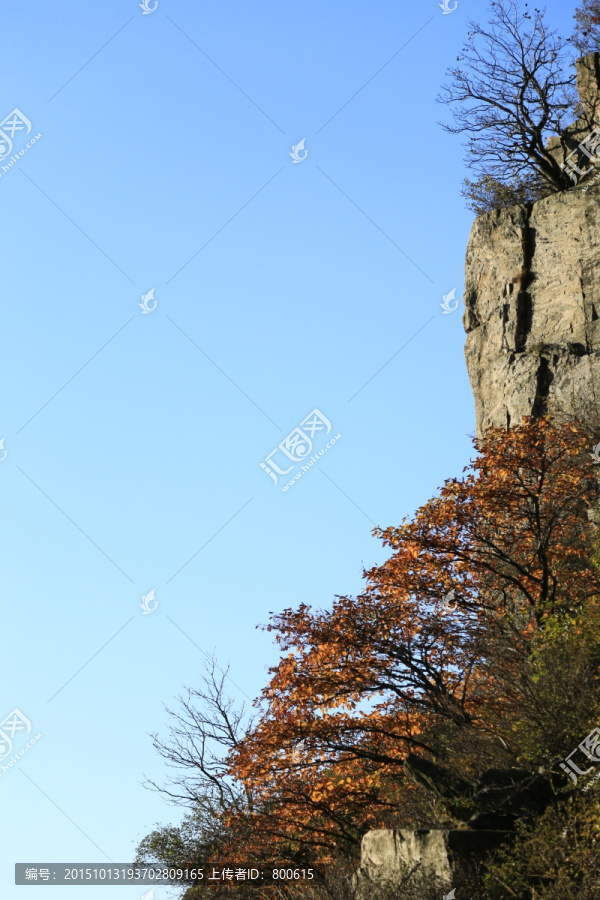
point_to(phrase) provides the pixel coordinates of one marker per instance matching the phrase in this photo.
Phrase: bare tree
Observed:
(513, 90)
(586, 36)
(208, 725)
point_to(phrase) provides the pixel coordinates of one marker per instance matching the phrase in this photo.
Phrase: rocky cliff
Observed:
(532, 295)
(532, 308)
(391, 855)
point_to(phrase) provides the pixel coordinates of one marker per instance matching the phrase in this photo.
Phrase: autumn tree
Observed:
(443, 654)
(512, 90)
(475, 648)
(226, 818)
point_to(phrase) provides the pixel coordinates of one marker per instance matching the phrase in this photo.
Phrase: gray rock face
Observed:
(532, 291)
(532, 308)
(389, 854)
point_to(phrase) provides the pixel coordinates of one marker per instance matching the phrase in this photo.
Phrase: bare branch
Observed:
(512, 91)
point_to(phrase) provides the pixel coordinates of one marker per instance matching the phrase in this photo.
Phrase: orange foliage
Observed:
(385, 674)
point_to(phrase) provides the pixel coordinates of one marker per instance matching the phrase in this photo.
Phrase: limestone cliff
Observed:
(532, 291)
(532, 307)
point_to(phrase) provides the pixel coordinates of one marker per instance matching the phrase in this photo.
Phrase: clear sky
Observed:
(134, 439)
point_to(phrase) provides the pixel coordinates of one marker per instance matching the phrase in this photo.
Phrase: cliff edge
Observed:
(532, 288)
(532, 308)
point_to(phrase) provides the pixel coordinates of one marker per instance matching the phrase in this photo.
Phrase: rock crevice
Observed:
(532, 291)
(532, 296)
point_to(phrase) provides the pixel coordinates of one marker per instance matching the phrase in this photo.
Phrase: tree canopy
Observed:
(475, 646)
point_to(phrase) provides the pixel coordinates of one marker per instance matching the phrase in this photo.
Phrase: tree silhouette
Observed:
(512, 91)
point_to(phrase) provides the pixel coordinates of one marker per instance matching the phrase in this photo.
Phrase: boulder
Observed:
(389, 855)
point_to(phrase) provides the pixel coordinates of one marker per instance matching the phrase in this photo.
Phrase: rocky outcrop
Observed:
(532, 308)
(532, 291)
(491, 808)
(391, 855)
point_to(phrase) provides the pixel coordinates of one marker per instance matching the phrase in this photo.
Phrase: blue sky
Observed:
(134, 440)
